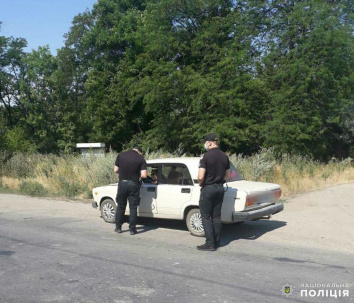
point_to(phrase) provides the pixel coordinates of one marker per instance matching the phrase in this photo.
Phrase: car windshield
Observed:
(234, 174)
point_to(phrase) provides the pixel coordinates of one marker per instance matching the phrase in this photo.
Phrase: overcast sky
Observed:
(40, 22)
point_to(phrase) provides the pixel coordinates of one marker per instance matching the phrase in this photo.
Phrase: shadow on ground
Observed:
(230, 232)
(153, 223)
(248, 231)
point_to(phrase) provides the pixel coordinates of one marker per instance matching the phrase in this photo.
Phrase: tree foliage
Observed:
(163, 73)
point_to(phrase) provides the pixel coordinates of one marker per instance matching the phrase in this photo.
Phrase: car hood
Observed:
(252, 186)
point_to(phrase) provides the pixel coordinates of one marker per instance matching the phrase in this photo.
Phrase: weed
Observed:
(32, 188)
(69, 187)
(74, 175)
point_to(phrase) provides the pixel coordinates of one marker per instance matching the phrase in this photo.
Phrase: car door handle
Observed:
(151, 189)
(185, 190)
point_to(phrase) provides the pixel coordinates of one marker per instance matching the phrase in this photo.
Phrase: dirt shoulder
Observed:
(319, 219)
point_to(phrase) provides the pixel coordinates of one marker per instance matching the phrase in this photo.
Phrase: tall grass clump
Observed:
(32, 188)
(70, 176)
(20, 165)
(75, 176)
(295, 173)
(257, 167)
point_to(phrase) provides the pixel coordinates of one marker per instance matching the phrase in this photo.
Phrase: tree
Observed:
(105, 38)
(309, 69)
(194, 75)
(11, 71)
(163, 73)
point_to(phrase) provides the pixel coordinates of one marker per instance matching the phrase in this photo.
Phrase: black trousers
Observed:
(211, 198)
(127, 190)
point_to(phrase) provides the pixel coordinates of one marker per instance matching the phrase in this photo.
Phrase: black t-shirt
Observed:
(130, 164)
(216, 164)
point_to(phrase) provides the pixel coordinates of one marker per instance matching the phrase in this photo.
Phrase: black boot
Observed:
(118, 229)
(133, 231)
(206, 247)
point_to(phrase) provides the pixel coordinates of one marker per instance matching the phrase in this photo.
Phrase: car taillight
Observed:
(277, 193)
(250, 201)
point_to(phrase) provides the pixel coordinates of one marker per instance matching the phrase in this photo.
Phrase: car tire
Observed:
(194, 223)
(108, 210)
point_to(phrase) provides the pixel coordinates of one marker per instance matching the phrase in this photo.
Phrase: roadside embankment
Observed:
(73, 176)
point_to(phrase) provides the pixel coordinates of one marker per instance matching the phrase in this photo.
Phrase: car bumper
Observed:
(238, 216)
(94, 204)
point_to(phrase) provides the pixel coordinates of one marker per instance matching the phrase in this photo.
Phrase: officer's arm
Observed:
(116, 169)
(227, 174)
(201, 175)
(143, 174)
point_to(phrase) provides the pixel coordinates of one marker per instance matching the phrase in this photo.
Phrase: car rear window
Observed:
(234, 174)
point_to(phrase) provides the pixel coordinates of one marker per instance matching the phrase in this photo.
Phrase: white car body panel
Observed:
(172, 201)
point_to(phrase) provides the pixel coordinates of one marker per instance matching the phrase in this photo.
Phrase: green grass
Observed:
(32, 188)
(74, 176)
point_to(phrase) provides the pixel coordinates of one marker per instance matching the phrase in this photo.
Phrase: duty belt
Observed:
(128, 181)
(215, 184)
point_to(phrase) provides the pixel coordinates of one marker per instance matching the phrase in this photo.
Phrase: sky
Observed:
(40, 22)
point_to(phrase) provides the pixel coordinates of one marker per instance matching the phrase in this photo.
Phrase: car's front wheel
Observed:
(194, 223)
(108, 210)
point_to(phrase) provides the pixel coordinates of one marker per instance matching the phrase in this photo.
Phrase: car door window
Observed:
(175, 174)
(153, 173)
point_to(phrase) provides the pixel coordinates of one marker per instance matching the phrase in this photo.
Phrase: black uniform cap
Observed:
(138, 148)
(210, 137)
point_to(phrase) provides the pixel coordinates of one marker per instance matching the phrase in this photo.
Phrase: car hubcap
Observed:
(196, 223)
(108, 211)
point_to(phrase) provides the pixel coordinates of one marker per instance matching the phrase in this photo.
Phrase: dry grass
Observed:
(11, 183)
(295, 174)
(295, 183)
(75, 176)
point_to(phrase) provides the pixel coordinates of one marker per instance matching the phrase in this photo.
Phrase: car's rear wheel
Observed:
(194, 223)
(108, 210)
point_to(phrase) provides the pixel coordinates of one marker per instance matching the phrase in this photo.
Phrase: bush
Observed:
(4, 188)
(4, 157)
(32, 188)
(21, 165)
(255, 167)
(99, 170)
(74, 176)
(16, 140)
(69, 188)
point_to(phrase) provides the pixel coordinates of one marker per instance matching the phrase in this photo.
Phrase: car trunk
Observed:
(252, 187)
(259, 194)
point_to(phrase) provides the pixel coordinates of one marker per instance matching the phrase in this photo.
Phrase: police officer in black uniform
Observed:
(130, 166)
(214, 168)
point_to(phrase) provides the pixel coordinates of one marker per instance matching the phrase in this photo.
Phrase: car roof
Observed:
(185, 160)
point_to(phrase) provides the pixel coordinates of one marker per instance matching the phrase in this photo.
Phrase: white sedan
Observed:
(171, 191)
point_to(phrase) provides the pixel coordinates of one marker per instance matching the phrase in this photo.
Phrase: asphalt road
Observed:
(62, 251)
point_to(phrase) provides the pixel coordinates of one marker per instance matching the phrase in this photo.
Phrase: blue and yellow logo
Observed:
(287, 290)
